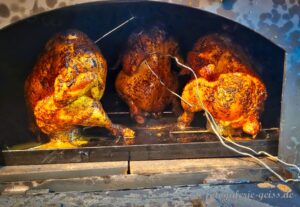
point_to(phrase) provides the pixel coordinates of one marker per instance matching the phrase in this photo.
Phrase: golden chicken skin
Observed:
(229, 89)
(65, 87)
(216, 54)
(144, 64)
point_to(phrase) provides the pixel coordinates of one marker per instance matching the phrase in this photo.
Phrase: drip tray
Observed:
(155, 140)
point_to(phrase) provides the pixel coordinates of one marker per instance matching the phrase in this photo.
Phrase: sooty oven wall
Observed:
(21, 44)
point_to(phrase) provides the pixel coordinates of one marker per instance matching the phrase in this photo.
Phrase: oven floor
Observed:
(155, 131)
(155, 140)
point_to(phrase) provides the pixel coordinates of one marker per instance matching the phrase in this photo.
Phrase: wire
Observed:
(273, 158)
(175, 94)
(114, 29)
(215, 127)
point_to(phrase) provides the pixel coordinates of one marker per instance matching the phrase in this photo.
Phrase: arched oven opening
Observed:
(24, 41)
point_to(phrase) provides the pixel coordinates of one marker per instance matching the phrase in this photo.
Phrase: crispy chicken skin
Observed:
(229, 88)
(65, 88)
(137, 85)
(215, 54)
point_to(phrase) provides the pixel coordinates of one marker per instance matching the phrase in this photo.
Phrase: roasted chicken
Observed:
(228, 87)
(65, 87)
(144, 64)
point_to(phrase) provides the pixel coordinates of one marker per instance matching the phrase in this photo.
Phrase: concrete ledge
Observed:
(61, 171)
(144, 174)
(195, 165)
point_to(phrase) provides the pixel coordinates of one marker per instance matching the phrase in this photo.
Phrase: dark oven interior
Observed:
(21, 44)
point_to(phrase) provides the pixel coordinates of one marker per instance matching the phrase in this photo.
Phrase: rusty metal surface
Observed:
(254, 195)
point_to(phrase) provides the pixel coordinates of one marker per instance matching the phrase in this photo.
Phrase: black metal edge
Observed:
(136, 152)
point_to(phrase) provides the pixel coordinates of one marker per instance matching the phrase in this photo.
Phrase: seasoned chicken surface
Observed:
(228, 87)
(136, 83)
(215, 54)
(65, 88)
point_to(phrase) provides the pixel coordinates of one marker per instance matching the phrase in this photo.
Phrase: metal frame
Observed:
(209, 149)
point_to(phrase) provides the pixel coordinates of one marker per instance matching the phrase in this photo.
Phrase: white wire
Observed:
(114, 29)
(273, 158)
(215, 128)
(175, 94)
